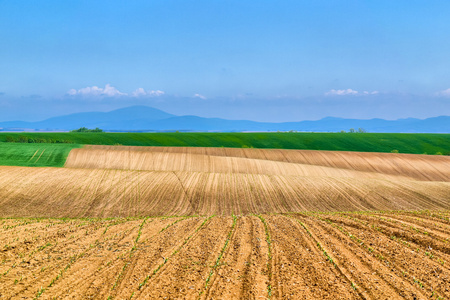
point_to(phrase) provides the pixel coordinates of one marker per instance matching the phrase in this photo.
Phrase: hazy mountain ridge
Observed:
(143, 118)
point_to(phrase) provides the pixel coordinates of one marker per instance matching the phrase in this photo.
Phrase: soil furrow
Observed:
(242, 274)
(49, 266)
(152, 252)
(409, 261)
(369, 274)
(301, 271)
(185, 274)
(100, 274)
(219, 261)
(412, 233)
(441, 231)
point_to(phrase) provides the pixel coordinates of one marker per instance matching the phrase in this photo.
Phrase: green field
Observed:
(366, 142)
(34, 155)
(55, 153)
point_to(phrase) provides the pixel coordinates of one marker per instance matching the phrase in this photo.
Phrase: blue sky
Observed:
(259, 60)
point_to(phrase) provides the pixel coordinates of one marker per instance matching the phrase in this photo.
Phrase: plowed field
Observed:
(383, 255)
(106, 181)
(203, 223)
(261, 161)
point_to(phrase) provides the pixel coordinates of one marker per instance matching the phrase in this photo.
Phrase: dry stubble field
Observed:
(205, 223)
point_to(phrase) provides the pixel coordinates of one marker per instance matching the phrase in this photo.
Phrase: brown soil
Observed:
(63, 192)
(313, 256)
(243, 274)
(156, 223)
(107, 181)
(262, 161)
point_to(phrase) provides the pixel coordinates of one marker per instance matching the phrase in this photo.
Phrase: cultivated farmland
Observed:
(418, 143)
(34, 155)
(103, 181)
(219, 223)
(382, 255)
(260, 161)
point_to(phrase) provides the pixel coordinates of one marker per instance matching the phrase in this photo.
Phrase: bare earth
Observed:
(216, 223)
(395, 255)
(105, 181)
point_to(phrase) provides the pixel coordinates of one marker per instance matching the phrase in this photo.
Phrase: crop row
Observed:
(298, 255)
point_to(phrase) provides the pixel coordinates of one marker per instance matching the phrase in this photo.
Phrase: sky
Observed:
(259, 60)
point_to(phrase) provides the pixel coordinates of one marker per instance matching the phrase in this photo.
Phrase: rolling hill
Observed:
(105, 181)
(144, 118)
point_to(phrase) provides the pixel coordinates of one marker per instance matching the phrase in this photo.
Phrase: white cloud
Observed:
(341, 92)
(108, 91)
(72, 92)
(155, 93)
(349, 92)
(444, 93)
(200, 96)
(111, 91)
(140, 92)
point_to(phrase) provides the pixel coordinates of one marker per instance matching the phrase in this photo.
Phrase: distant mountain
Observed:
(143, 118)
(123, 118)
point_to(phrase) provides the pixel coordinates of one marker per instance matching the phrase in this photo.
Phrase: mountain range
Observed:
(144, 118)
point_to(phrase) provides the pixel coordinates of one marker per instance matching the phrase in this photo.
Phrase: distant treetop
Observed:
(84, 129)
